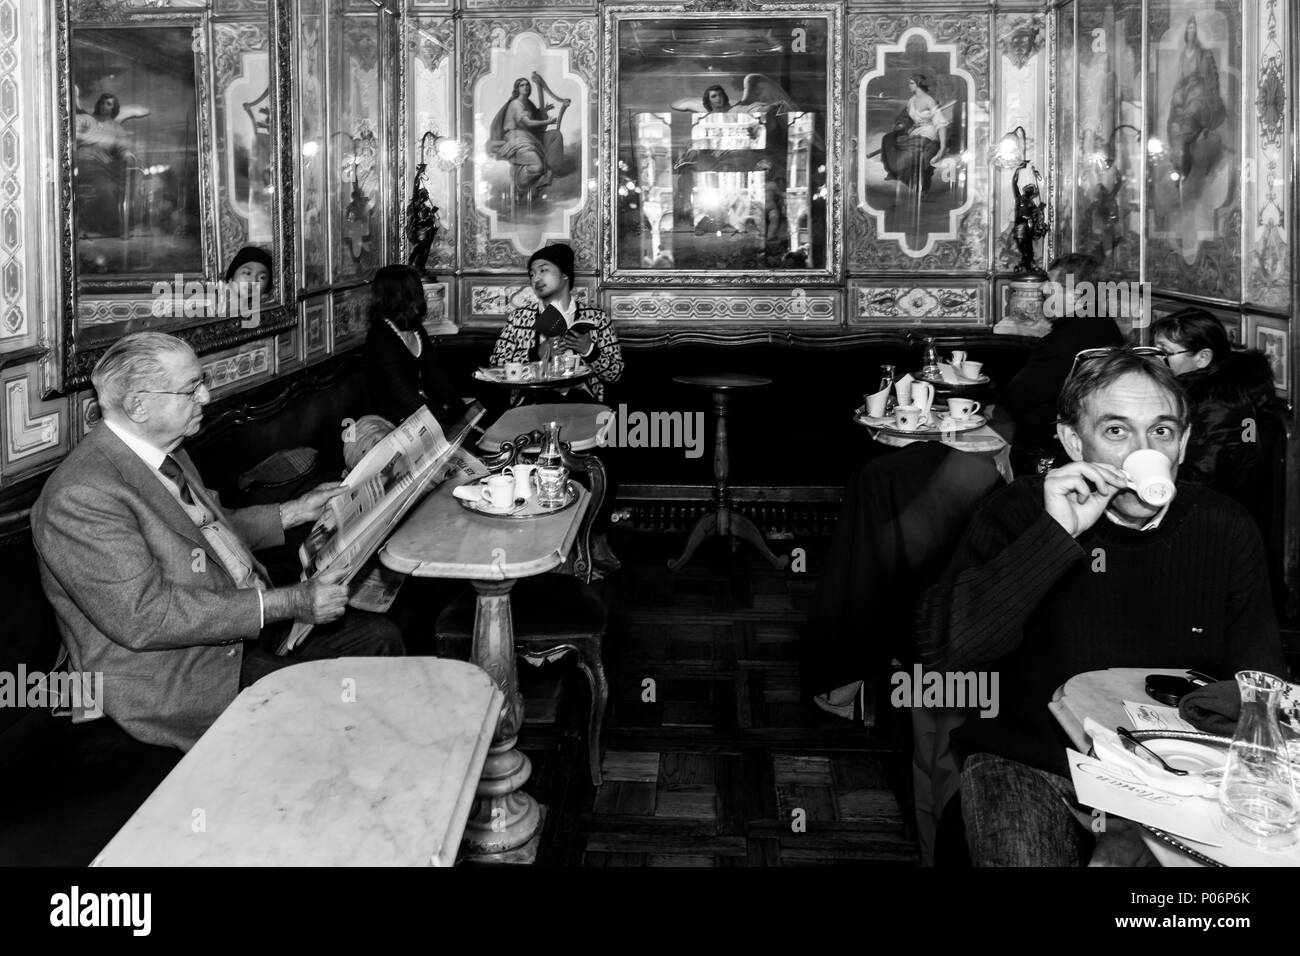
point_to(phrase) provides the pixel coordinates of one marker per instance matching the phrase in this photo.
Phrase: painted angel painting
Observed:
(721, 144)
(135, 148)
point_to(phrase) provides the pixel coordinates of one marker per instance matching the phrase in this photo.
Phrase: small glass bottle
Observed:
(930, 362)
(1256, 796)
(887, 384)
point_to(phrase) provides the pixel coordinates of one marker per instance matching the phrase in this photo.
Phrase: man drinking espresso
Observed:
(1074, 571)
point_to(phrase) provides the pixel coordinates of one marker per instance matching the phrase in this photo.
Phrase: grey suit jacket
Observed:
(138, 593)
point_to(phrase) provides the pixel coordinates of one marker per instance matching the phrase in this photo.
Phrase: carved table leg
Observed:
(746, 530)
(704, 528)
(505, 816)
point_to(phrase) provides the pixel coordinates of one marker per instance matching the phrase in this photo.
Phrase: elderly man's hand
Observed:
(1076, 494)
(309, 506)
(322, 599)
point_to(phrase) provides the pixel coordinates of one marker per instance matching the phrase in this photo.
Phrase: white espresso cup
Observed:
(525, 480)
(499, 492)
(957, 358)
(907, 418)
(1151, 475)
(515, 371)
(971, 369)
(961, 409)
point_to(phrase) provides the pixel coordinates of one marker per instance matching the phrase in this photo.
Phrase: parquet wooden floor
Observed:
(711, 759)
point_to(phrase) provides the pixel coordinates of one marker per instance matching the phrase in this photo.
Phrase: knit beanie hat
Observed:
(559, 254)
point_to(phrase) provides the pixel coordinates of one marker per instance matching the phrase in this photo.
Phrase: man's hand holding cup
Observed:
(1076, 494)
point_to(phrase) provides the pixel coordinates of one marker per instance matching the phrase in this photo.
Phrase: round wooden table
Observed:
(723, 522)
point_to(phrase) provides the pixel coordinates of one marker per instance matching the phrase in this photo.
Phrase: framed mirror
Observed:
(139, 128)
(720, 133)
(170, 168)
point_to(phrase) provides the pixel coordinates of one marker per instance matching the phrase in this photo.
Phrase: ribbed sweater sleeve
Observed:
(1003, 568)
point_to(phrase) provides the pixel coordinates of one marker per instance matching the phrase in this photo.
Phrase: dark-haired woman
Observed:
(1226, 390)
(402, 367)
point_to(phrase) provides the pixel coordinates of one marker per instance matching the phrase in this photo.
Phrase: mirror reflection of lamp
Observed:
(1103, 210)
(356, 215)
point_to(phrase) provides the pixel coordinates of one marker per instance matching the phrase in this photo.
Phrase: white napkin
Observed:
(473, 491)
(949, 374)
(866, 409)
(1110, 750)
(903, 389)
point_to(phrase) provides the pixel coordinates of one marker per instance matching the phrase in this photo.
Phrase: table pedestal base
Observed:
(525, 855)
(505, 817)
(725, 523)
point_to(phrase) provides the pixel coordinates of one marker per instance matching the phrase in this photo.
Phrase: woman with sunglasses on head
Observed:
(1227, 390)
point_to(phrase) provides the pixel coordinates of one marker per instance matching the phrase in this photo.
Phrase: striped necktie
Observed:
(172, 470)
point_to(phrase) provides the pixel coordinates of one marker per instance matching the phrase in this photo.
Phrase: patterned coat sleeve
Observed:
(607, 362)
(516, 338)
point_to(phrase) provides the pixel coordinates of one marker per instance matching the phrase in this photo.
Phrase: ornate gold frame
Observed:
(699, 13)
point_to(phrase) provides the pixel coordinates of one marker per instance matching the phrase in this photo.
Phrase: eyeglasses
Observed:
(1088, 355)
(1168, 355)
(191, 393)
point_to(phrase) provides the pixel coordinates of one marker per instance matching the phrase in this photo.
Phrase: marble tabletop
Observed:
(579, 424)
(442, 539)
(358, 761)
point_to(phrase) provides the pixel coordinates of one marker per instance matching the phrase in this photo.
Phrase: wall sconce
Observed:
(421, 214)
(1010, 151)
(1031, 219)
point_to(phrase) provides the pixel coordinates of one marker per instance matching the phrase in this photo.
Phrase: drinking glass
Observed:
(551, 485)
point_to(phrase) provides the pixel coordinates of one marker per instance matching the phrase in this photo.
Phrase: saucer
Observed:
(529, 509)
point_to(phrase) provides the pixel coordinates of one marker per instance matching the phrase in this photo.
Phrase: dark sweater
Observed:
(399, 383)
(1025, 599)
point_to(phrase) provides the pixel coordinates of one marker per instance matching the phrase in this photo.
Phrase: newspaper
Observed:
(392, 476)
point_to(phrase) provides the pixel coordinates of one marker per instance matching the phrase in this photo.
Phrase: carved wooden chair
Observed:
(558, 613)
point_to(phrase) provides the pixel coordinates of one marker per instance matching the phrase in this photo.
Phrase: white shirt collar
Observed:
(1151, 525)
(570, 314)
(150, 455)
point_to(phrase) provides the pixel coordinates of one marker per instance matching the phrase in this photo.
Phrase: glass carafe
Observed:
(550, 448)
(552, 476)
(930, 362)
(1258, 801)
